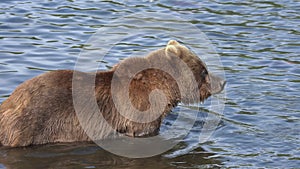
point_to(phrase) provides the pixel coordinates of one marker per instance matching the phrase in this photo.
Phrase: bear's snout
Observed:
(217, 84)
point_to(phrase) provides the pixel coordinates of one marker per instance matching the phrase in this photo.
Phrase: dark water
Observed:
(258, 43)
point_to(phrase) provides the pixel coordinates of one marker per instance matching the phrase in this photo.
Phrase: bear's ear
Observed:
(172, 48)
(173, 42)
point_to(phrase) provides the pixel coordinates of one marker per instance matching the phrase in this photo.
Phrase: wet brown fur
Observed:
(41, 110)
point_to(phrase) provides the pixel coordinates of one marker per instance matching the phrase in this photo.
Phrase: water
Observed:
(258, 43)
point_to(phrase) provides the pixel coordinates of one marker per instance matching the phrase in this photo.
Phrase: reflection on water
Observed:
(86, 155)
(258, 42)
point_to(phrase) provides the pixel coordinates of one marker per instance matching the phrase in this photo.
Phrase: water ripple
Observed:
(258, 42)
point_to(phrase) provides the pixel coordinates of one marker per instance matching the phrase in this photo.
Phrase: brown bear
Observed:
(41, 110)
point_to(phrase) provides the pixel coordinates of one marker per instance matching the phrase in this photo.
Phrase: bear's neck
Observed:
(139, 90)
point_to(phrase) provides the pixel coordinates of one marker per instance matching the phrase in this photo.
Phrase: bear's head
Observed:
(207, 83)
(174, 63)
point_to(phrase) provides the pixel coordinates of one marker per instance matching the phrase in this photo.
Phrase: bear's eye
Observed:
(204, 73)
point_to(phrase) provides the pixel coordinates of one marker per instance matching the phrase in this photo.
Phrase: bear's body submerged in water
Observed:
(41, 110)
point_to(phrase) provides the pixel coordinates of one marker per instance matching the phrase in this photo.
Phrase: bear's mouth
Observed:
(204, 94)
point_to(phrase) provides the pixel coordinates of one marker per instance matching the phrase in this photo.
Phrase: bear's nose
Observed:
(223, 83)
(217, 84)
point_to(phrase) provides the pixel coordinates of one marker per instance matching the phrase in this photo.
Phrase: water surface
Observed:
(258, 44)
